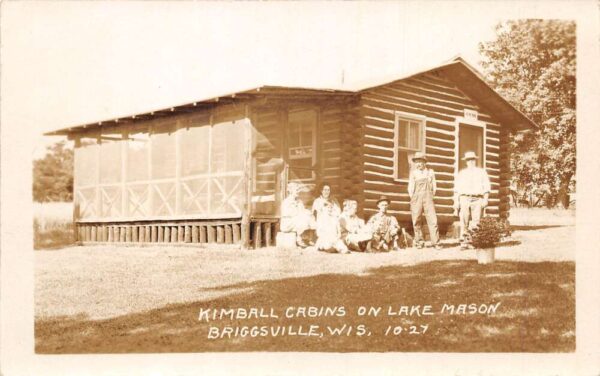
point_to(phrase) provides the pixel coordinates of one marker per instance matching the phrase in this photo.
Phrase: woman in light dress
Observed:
(327, 213)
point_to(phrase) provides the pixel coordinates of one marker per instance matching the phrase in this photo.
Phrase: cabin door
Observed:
(470, 138)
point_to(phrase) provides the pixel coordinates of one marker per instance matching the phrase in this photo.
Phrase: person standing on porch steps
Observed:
(421, 190)
(471, 192)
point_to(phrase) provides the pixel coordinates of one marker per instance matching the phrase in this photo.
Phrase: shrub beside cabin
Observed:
(215, 171)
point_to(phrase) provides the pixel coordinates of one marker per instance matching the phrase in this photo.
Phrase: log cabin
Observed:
(214, 171)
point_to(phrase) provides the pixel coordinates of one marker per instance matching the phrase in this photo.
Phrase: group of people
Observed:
(332, 228)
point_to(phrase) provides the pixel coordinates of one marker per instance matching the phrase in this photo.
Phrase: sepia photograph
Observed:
(302, 177)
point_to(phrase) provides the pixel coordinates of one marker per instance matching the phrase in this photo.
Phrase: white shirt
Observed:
(472, 181)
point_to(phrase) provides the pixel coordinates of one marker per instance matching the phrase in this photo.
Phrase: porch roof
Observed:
(458, 70)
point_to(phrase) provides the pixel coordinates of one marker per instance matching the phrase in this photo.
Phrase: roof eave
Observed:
(204, 103)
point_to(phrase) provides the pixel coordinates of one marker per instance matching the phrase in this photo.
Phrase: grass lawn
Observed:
(112, 299)
(53, 225)
(536, 314)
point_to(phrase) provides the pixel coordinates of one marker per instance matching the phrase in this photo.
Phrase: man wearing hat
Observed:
(385, 228)
(421, 190)
(471, 192)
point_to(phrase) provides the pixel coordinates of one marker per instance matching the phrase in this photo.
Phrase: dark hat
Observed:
(382, 198)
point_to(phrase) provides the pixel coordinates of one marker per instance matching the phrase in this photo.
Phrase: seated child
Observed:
(355, 234)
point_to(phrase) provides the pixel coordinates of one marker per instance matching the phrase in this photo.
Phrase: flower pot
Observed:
(485, 255)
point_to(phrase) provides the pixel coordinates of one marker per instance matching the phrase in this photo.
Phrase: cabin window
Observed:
(302, 127)
(409, 138)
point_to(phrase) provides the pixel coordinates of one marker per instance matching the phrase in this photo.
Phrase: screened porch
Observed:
(186, 167)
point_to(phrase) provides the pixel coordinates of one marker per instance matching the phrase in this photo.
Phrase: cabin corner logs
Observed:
(217, 175)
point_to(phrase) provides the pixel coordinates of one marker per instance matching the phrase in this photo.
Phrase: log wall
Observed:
(441, 102)
(352, 157)
(333, 122)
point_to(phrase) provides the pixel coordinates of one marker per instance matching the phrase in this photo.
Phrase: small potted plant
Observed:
(486, 236)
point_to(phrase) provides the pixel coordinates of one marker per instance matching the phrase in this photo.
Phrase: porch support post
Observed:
(247, 184)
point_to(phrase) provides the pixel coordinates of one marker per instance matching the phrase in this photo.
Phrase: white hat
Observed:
(419, 156)
(470, 155)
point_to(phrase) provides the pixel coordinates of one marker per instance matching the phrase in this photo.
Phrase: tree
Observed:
(532, 64)
(53, 174)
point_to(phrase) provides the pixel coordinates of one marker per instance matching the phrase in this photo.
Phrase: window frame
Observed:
(314, 143)
(421, 119)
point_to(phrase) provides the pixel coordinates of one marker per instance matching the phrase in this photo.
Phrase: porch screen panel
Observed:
(163, 171)
(137, 188)
(227, 168)
(194, 150)
(111, 160)
(228, 146)
(163, 154)
(195, 163)
(86, 178)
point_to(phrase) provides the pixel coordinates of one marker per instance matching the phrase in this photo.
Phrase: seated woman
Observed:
(355, 234)
(385, 228)
(295, 217)
(327, 212)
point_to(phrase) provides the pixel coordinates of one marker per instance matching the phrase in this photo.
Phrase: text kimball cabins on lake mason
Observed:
(215, 171)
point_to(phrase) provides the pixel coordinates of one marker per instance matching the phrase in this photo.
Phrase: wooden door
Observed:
(470, 138)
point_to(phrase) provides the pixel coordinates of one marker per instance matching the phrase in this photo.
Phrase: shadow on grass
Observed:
(533, 227)
(536, 314)
(504, 243)
(53, 239)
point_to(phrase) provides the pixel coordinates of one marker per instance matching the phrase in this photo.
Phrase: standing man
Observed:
(421, 189)
(471, 193)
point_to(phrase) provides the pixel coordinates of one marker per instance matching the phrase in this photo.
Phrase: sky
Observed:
(69, 63)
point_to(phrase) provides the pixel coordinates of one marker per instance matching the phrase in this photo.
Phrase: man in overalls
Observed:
(421, 190)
